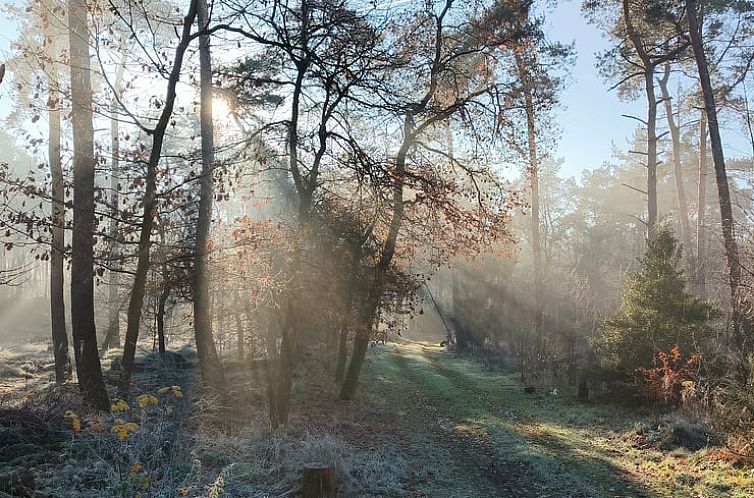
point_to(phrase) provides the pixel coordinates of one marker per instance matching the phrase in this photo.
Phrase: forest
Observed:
(320, 248)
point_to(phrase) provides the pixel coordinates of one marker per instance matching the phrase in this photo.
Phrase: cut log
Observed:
(319, 481)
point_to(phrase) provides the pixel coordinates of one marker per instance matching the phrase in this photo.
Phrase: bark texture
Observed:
(88, 366)
(741, 335)
(209, 361)
(57, 251)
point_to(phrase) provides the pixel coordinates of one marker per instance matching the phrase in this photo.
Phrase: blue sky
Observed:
(590, 119)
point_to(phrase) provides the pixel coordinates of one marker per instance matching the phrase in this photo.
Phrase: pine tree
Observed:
(657, 313)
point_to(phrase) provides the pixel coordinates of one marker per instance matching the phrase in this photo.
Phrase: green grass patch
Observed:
(570, 447)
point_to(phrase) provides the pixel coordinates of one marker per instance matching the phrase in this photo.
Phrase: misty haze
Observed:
(359, 249)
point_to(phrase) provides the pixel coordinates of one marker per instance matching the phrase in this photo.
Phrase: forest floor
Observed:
(476, 433)
(426, 424)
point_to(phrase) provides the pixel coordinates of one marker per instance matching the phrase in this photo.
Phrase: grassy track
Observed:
(472, 432)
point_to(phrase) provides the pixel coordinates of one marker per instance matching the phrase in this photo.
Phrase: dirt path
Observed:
(473, 459)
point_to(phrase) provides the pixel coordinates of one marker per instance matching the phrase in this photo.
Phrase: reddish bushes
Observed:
(664, 383)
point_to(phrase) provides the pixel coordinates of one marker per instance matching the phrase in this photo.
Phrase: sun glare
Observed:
(221, 112)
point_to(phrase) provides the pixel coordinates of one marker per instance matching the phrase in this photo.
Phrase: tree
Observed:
(85, 349)
(701, 209)
(447, 87)
(741, 333)
(325, 51)
(657, 312)
(646, 38)
(675, 138)
(136, 300)
(533, 170)
(57, 220)
(39, 54)
(112, 339)
(212, 370)
(537, 64)
(648, 69)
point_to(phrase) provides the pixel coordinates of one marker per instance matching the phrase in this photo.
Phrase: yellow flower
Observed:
(119, 406)
(145, 400)
(135, 468)
(75, 420)
(95, 426)
(122, 429)
(175, 390)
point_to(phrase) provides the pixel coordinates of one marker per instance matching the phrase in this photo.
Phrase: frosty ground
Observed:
(426, 424)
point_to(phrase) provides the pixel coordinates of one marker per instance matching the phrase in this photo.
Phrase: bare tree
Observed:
(57, 219)
(112, 339)
(648, 71)
(150, 200)
(82, 256)
(212, 370)
(646, 38)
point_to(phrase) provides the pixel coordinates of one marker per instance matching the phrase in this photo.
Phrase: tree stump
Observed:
(319, 481)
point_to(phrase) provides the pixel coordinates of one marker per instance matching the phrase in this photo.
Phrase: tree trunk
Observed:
(209, 361)
(164, 296)
(360, 347)
(112, 339)
(536, 244)
(57, 301)
(675, 136)
(340, 364)
(281, 384)
(649, 88)
(463, 341)
(88, 365)
(302, 66)
(279, 375)
(352, 298)
(361, 341)
(150, 204)
(651, 152)
(740, 335)
(240, 339)
(701, 208)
